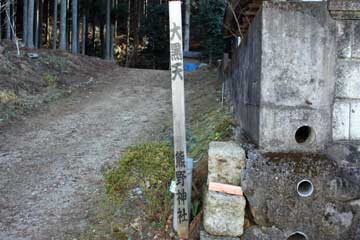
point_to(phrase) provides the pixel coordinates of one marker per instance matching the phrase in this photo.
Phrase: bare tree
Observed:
(84, 36)
(8, 19)
(30, 33)
(108, 29)
(55, 23)
(38, 29)
(128, 35)
(63, 25)
(0, 21)
(187, 25)
(75, 34)
(25, 21)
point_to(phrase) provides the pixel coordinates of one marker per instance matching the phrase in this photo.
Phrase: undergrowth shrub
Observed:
(7, 97)
(50, 80)
(150, 167)
(216, 125)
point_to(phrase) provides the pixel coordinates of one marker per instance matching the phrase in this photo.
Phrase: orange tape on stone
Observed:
(225, 188)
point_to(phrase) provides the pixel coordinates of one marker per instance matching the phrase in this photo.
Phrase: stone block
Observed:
(226, 160)
(294, 129)
(344, 9)
(356, 40)
(348, 79)
(337, 220)
(299, 77)
(297, 87)
(224, 214)
(271, 185)
(263, 233)
(341, 121)
(205, 236)
(343, 38)
(355, 119)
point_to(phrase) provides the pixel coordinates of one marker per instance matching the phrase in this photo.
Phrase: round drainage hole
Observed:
(305, 134)
(305, 188)
(297, 236)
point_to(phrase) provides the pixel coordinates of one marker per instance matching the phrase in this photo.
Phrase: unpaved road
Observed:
(51, 164)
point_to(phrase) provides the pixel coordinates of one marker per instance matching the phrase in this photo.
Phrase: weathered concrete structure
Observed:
(295, 78)
(294, 84)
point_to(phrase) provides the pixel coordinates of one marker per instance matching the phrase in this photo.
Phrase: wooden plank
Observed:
(178, 100)
(225, 188)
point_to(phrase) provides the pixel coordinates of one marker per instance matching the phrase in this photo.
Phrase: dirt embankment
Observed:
(27, 84)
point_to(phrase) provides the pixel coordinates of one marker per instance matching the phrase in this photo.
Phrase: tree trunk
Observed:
(116, 20)
(93, 35)
(112, 43)
(13, 20)
(0, 21)
(84, 36)
(37, 19)
(187, 26)
(30, 33)
(75, 35)
(102, 41)
(46, 17)
(108, 29)
(8, 20)
(38, 31)
(63, 25)
(68, 26)
(55, 23)
(128, 35)
(25, 21)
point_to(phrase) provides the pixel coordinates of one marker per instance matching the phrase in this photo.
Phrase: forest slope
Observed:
(28, 84)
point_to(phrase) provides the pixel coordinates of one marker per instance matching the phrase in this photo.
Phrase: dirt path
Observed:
(51, 165)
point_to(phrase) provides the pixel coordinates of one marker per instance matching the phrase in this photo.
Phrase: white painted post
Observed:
(177, 79)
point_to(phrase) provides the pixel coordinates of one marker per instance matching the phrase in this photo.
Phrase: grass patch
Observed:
(216, 125)
(147, 167)
(50, 80)
(8, 97)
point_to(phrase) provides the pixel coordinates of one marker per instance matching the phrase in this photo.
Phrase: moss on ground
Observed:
(147, 170)
(216, 125)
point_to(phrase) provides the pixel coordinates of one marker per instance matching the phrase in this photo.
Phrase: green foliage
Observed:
(196, 208)
(224, 129)
(155, 30)
(210, 18)
(216, 125)
(50, 80)
(150, 167)
(120, 12)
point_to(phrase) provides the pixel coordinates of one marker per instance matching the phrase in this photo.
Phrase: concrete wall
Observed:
(346, 117)
(297, 83)
(297, 67)
(244, 81)
(283, 76)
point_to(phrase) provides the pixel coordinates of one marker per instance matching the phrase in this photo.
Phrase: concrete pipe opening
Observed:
(305, 135)
(305, 188)
(298, 236)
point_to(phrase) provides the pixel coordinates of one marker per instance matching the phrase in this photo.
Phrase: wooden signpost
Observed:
(178, 100)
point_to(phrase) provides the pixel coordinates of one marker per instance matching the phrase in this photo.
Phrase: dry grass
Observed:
(8, 97)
